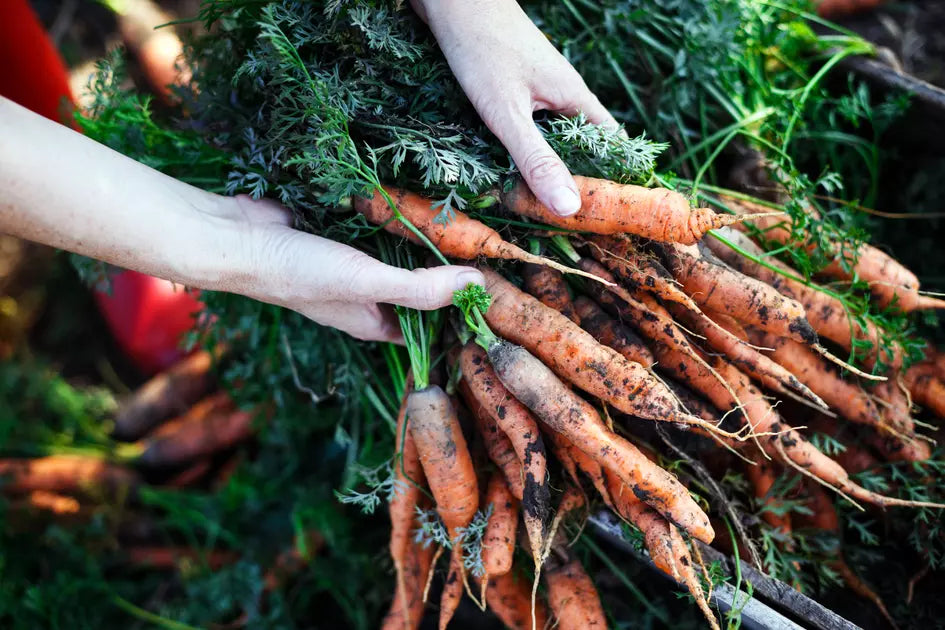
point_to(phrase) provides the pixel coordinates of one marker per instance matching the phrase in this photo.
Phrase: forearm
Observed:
(64, 190)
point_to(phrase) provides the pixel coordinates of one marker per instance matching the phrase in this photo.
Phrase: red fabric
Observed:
(33, 73)
(146, 315)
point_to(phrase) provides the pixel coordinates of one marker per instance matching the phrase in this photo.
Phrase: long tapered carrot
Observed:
(452, 588)
(611, 208)
(462, 237)
(67, 474)
(888, 279)
(168, 394)
(826, 314)
(572, 597)
(517, 422)
(498, 541)
(746, 358)
(406, 610)
(556, 405)
(843, 396)
(549, 286)
(509, 598)
(497, 444)
(214, 424)
(666, 547)
(574, 353)
(408, 478)
(612, 333)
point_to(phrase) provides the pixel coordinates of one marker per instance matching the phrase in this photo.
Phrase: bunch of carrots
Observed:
(657, 315)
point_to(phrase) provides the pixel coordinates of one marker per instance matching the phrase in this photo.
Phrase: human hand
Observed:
(509, 70)
(331, 283)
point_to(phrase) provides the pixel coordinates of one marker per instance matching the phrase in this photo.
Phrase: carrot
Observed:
(611, 208)
(169, 558)
(170, 393)
(896, 449)
(509, 598)
(448, 468)
(826, 314)
(408, 478)
(762, 477)
(406, 611)
(843, 396)
(574, 353)
(840, 8)
(926, 388)
(463, 237)
(497, 443)
(573, 598)
(533, 383)
(211, 425)
(574, 459)
(517, 422)
(888, 279)
(65, 474)
(53, 502)
(746, 358)
(719, 288)
(498, 541)
(612, 333)
(666, 547)
(856, 459)
(549, 286)
(157, 50)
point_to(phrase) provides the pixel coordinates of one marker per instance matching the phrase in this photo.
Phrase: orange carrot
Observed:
(406, 611)
(573, 598)
(212, 425)
(574, 459)
(549, 286)
(612, 333)
(638, 270)
(574, 353)
(843, 396)
(452, 588)
(463, 237)
(611, 208)
(66, 474)
(498, 541)
(926, 388)
(888, 279)
(826, 314)
(666, 547)
(509, 598)
(533, 383)
(170, 393)
(517, 422)
(762, 477)
(497, 443)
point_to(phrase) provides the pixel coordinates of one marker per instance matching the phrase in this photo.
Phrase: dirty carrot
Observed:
(926, 388)
(612, 333)
(406, 610)
(612, 208)
(549, 286)
(572, 597)
(575, 460)
(509, 598)
(463, 237)
(498, 541)
(498, 446)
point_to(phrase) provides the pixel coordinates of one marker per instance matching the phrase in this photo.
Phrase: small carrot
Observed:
(509, 598)
(826, 314)
(573, 599)
(498, 541)
(549, 286)
(463, 237)
(574, 353)
(211, 425)
(65, 474)
(168, 394)
(452, 588)
(666, 547)
(611, 208)
(517, 422)
(612, 333)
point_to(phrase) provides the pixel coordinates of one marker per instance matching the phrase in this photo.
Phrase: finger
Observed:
(368, 322)
(595, 110)
(426, 289)
(543, 171)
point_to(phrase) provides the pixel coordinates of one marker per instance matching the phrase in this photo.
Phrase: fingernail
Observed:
(467, 278)
(564, 201)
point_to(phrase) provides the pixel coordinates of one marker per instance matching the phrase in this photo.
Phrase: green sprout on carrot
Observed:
(473, 301)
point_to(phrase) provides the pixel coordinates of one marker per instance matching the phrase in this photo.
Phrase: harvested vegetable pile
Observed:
(718, 360)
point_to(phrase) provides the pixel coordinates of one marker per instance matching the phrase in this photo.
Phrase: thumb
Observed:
(543, 171)
(426, 289)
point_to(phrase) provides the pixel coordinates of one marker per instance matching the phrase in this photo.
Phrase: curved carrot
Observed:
(573, 599)
(612, 333)
(549, 286)
(517, 422)
(533, 383)
(575, 354)
(509, 598)
(825, 313)
(498, 541)
(463, 237)
(611, 208)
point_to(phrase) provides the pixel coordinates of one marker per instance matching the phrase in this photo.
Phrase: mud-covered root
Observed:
(861, 588)
(509, 599)
(573, 599)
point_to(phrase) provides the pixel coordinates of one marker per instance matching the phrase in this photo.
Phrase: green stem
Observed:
(145, 615)
(659, 613)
